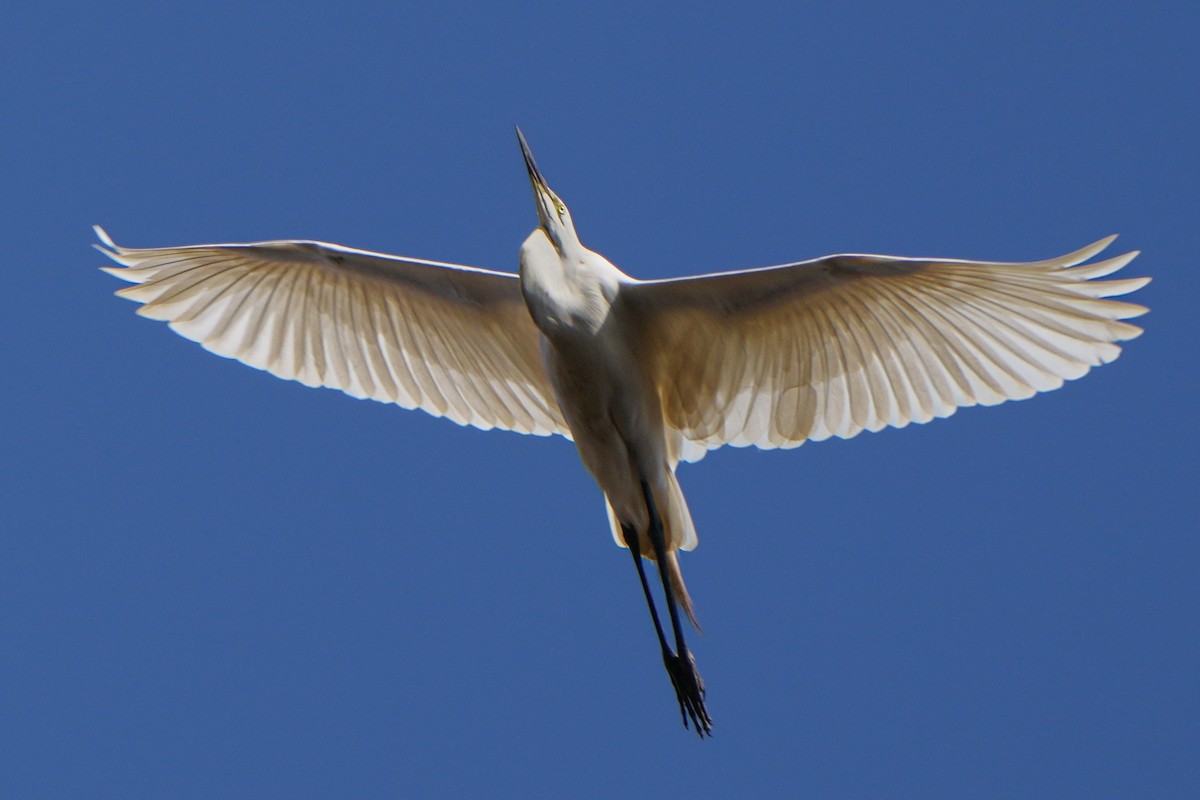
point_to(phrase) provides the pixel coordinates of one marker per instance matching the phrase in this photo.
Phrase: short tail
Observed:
(680, 534)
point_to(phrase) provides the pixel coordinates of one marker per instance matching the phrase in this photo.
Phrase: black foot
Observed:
(689, 691)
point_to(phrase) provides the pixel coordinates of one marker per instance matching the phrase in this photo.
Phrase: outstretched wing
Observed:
(831, 347)
(454, 341)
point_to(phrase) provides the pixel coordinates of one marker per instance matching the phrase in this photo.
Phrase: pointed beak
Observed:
(541, 191)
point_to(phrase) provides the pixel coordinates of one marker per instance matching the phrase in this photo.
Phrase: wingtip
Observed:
(113, 251)
(124, 274)
(111, 255)
(1094, 249)
(104, 238)
(1136, 283)
(1083, 254)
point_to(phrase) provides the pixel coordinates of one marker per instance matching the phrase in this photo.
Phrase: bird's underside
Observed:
(767, 357)
(770, 358)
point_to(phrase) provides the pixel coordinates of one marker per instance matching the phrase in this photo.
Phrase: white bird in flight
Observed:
(644, 374)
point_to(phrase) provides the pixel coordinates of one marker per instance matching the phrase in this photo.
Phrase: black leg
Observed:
(681, 666)
(631, 539)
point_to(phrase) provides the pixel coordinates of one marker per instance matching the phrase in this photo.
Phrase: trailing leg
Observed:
(681, 666)
(631, 539)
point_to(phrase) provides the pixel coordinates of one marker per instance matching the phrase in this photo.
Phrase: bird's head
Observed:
(553, 215)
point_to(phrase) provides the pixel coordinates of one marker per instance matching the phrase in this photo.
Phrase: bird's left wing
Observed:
(831, 347)
(454, 341)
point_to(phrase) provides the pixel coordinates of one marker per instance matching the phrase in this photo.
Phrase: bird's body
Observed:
(645, 374)
(608, 401)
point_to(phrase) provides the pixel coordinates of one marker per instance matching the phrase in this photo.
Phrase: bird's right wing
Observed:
(454, 341)
(831, 347)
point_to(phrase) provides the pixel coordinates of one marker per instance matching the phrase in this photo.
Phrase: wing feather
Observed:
(454, 341)
(831, 347)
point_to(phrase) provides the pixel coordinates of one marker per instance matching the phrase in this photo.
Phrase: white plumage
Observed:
(769, 357)
(644, 374)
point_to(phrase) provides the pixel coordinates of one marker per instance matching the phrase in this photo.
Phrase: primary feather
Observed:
(767, 357)
(453, 341)
(831, 347)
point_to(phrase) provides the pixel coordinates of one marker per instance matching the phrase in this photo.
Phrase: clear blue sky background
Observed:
(217, 584)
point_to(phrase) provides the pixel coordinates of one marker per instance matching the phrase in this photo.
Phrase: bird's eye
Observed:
(559, 207)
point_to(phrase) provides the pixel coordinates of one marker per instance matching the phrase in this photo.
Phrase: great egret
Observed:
(644, 374)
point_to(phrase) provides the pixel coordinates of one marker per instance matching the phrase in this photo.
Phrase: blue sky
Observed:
(215, 583)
